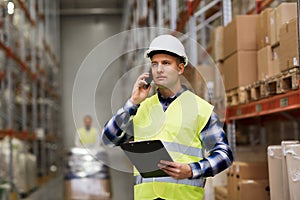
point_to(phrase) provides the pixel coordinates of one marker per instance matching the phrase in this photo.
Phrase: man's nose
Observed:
(159, 68)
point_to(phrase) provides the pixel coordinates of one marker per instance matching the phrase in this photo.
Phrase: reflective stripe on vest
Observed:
(180, 148)
(192, 182)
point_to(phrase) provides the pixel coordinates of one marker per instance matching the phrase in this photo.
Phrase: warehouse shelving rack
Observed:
(29, 77)
(284, 106)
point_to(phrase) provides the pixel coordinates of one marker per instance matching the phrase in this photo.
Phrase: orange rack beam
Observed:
(26, 11)
(263, 5)
(274, 104)
(23, 135)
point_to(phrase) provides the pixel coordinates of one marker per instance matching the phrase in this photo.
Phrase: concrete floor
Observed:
(54, 189)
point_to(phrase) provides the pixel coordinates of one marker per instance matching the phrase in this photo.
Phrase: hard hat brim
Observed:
(151, 53)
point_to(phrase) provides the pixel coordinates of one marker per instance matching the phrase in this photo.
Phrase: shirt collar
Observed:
(183, 89)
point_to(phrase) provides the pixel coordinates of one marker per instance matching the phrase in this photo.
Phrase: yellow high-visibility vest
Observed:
(88, 137)
(179, 129)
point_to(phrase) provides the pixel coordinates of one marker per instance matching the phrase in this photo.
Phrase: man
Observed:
(182, 120)
(87, 136)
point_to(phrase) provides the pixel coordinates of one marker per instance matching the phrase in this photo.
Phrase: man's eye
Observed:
(154, 64)
(165, 63)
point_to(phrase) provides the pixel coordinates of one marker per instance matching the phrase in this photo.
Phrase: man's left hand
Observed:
(176, 170)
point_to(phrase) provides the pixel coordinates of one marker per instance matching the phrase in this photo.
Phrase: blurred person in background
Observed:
(87, 136)
(177, 117)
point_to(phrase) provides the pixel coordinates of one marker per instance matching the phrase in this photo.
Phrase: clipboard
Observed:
(145, 155)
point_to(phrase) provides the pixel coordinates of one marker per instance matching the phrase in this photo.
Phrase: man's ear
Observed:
(180, 68)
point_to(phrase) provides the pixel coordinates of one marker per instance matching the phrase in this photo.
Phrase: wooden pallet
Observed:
(238, 96)
(257, 90)
(290, 80)
(273, 85)
(283, 82)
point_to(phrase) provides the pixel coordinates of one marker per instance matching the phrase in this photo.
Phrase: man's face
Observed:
(87, 123)
(166, 70)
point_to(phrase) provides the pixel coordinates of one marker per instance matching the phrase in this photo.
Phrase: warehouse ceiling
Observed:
(91, 7)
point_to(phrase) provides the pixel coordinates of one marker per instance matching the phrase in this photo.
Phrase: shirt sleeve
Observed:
(215, 143)
(119, 128)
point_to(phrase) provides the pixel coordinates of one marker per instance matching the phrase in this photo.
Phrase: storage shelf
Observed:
(271, 105)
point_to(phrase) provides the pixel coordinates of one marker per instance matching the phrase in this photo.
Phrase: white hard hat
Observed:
(167, 43)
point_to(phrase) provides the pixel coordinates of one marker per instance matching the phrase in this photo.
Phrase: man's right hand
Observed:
(139, 93)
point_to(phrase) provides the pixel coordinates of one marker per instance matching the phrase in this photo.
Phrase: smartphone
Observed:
(149, 79)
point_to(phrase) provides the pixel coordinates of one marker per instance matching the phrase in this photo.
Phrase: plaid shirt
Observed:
(119, 129)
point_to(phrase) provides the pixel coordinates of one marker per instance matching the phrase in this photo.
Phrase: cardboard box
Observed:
(289, 45)
(221, 193)
(251, 170)
(240, 69)
(220, 88)
(272, 22)
(264, 28)
(284, 13)
(275, 172)
(194, 81)
(218, 43)
(253, 189)
(293, 168)
(244, 171)
(264, 62)
(211, 79)
(230, 181)
(275, 69)
(285, 181)
(240, 34)
(87, 188)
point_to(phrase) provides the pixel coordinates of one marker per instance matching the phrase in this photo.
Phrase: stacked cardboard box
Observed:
(264, 62)
(272, 23)
(240, 69)
(240, 46)
(264, 28)
(240, 34)
(257, 47)
(217, 39)
(253, 189)
(268, 62)
(221, 193)
(289, 45)
(275, 69)
(284, 13)
(250, 175)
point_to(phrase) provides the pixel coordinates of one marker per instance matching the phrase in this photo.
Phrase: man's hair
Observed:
(178, 58)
